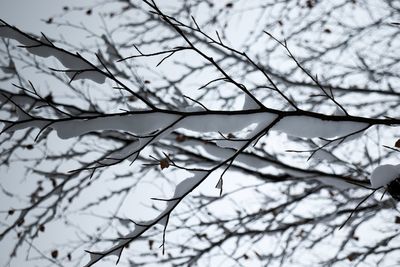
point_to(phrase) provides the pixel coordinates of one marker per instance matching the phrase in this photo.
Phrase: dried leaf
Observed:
(151, 242)
(180, 138)
(352, 256)
(397, 220)
(54, 254)
(164, 163)
(397, 144)
(231, 135)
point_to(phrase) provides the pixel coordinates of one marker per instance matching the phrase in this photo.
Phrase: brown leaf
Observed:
(48, 98)
(164, 163)
(397, 220)
(41, 228)
(180, 138)
(352, 256)
(69, 256)
(54, 254)
(397, 144)
(151, 242)
(11, 212)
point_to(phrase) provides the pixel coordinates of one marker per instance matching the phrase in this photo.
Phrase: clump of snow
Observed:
(226, 143)
(384, 174)
(249, 103)
(11, 33)
(77, 66)
(335, 182)
(145, 123)
(227, 124)
(193, 108)
(323, 155)
(308, 127)
(11, 127)
(224, 123)
(189, 183)
(137, 124)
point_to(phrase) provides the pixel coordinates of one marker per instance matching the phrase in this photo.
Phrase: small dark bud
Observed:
(54, 254)
(20, 222)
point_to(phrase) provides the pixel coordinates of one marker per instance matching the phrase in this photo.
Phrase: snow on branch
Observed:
(225, 138)
(77, 67)
(384, 174)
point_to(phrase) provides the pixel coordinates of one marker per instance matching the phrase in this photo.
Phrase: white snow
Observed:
(335, 182)
(138, 124)
(25, 124)
(80, 68)
(11, 33)
(226, 143)
(249, 103)
(324, 155)
(224, 123)
(188, 184)
(141, 124)
(384, 174)
(308, 127)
